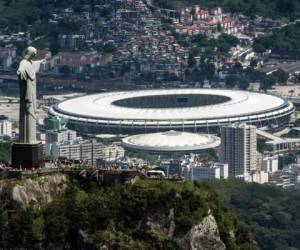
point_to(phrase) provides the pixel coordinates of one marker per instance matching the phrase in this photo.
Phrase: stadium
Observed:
(193, 110)
(170, 142)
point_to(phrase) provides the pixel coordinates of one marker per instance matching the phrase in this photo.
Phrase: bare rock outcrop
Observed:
(36, 191)
(205, 235)
(202, 236)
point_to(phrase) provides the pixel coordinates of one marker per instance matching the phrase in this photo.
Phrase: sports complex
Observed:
(194, 110)
(170, 142)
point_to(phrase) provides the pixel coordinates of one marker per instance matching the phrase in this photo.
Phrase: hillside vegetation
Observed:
(272, 213)
(269, 8)
(146, 215)
(287, 38)
(5, 151)
(19, 15)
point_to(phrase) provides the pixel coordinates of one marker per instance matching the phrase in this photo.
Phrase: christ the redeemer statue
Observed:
(28, 153)
(27, 80)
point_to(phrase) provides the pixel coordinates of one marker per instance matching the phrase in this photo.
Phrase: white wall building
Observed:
(113, 152)
(270, 164)
(238, 148)
(60, 136)
(65, 143)
(198, 172)
(5, 128)
(260, 177)
(86, 151)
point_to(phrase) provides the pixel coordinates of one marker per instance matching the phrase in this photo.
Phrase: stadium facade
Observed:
(193, 110)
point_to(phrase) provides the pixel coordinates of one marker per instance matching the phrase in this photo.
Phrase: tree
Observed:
(219, 27)
(286, 6)
(65, 70)
(230, 81)
(3, 226)
(243, 84)
(253, 63)
(191, 61)
(109, 48)
(268, 82)
(54, 47)
(281, 76)
(238, 67)
(125, 69)
(38, 229)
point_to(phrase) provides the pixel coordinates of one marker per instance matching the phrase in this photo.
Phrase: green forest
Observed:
(277, 9)
(120, 217)
(272, 213)
(287, 38)
(21, 15)
(5, 151)
(138, 216)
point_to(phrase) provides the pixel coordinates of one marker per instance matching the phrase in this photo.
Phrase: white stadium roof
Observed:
(171, 141)
(143, 111)
(100, 106)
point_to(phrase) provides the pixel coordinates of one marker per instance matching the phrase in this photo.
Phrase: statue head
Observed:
(30, 53)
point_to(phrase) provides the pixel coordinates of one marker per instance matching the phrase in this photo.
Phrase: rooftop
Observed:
(171, 141)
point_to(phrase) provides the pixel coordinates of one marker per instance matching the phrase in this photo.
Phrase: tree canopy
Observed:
(287, 38)
(271, 212)
(120, 217)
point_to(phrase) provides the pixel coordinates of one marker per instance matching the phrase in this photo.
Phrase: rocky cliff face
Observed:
(202, 236)
(36, 191)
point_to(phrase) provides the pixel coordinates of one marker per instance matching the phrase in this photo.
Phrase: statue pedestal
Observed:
(27, 155)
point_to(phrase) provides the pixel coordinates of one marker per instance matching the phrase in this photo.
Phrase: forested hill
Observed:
(146, 215)
(271, 212)
(287, 38)
(276, 9)
(16, 15)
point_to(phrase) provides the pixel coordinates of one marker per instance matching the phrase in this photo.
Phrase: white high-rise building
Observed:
(5, 128)
(238, 148)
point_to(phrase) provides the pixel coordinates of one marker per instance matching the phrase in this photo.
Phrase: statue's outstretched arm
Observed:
(37, 64)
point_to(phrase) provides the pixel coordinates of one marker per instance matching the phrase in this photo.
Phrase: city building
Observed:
(66, 144)
(238, 148)
(87, 151)
(53, 136)
(113, 152)
(194, 172)
(171, 167)
(55, 123)
(260, 177)
(5, 128)
(270, 164)
(288, 177)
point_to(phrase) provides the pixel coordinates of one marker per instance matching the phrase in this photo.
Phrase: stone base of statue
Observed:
(27, 156)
